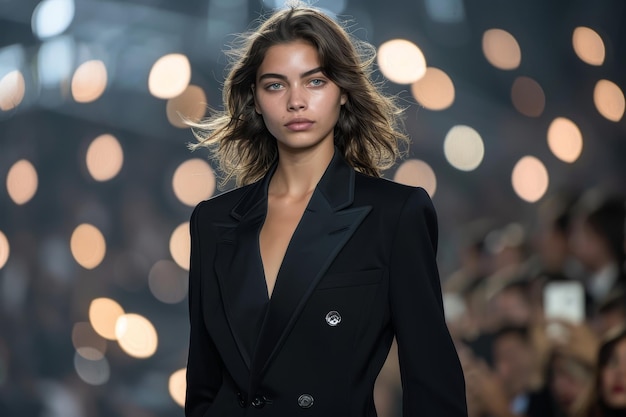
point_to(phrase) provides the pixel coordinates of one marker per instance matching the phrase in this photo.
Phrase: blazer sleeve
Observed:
(204, 365)
(432, 378)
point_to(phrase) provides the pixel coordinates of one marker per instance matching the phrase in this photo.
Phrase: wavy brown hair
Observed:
(367, 132)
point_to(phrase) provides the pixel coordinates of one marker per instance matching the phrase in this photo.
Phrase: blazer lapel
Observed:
(324, 229)
(239, 268)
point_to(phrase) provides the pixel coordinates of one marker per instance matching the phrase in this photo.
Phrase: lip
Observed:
(299, 124)
(618, 389)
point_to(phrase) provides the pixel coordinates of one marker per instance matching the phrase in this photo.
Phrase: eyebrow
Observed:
(283, 77)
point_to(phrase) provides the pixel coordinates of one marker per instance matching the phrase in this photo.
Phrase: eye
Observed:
(273, 86)
(317, 82)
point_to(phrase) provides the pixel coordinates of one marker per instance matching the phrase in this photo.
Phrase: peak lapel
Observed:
(326, 226)
(239, 268)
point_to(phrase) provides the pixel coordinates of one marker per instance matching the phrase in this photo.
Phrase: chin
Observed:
(296, 145)
(617, 402)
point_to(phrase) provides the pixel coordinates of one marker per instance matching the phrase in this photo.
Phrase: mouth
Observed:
(299, 124)
(618, 389)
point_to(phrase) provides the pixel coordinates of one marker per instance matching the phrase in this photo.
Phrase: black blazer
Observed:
(360, 268)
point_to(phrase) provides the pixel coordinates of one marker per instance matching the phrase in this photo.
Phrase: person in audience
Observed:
(607, 398)
(597, 240)
(568, 379)
(510, 387)
(551, 239)
(611, 312)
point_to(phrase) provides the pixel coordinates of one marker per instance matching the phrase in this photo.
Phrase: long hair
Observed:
(367, 133)
(593, 404)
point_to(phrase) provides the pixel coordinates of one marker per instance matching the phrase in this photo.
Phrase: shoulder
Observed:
(410, 208)
(218, 208)
(388, 192)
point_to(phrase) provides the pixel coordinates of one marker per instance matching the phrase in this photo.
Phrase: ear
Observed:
(256, 106)
(344, 98)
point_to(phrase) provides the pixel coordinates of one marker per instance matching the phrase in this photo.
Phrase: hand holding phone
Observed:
(563, 300)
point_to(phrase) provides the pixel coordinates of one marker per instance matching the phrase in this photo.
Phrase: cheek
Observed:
(270, 124)
(268, 112)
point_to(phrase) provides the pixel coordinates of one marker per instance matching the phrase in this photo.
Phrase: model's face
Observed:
(299, 104)
(613, 377)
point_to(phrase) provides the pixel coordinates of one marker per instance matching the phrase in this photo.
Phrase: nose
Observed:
(297, 99)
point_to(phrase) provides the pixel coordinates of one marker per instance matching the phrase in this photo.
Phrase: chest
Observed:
(280, 223)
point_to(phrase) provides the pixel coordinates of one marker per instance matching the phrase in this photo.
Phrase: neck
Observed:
(298, 173)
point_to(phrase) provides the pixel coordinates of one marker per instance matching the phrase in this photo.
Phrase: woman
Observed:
(597, 240)
(301, 277)
(608, 396)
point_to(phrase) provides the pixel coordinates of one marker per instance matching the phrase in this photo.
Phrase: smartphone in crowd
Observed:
(563, 300)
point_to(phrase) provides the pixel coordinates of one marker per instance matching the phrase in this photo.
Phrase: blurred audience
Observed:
(517, 361)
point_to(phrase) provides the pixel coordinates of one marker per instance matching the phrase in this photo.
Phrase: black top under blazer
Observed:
(360, 268)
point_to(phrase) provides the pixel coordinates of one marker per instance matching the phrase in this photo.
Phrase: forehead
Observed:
(289, 58)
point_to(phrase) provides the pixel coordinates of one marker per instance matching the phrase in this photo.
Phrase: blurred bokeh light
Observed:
(55, 62)
(609, 100)
(5, 249)
(12, 90)
(565, 139)
(169, 76)
(464, 148)
(103, 315)
(445, 11)
(190, 105)
(88, 246)
(104, 158)
(136, 335)
(501, 49)
(168, 282)
(178, 386)
(180, 245)
(22, 182)
(90, 353)
(52, 17)
(588, 45)
(193, 181)
(417, 173)
(84, 336)
(89, 81)
(401, 61)
(435, 90)
(530, 179)
(92, 371)
(528, 97)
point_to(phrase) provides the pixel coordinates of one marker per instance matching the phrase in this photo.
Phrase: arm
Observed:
(579, 341)
(484, 388)
(432, 378)
(204, 367)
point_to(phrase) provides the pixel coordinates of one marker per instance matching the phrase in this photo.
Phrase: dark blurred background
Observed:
(517, 120)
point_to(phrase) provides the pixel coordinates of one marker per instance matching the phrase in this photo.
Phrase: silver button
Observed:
(305, 401)
(333, 318)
